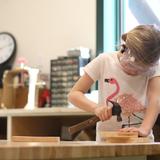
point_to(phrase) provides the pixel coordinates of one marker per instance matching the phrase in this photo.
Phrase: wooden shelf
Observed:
(38, 122)
(58, 111)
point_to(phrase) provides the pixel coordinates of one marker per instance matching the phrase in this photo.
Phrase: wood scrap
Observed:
(122, 137)
(35, 139)
(118, 134)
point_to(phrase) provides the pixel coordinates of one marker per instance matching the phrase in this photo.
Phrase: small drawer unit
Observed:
(64, 74)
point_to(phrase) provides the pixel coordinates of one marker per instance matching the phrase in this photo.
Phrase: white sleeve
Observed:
(157, 71)
(93, 69)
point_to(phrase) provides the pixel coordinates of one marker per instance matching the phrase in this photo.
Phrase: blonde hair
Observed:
(144, 43)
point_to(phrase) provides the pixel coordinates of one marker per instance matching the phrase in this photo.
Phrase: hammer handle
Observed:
(83, 125)
(116, 110)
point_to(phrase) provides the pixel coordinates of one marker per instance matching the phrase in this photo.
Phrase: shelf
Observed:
(58, 111)
(39, 121)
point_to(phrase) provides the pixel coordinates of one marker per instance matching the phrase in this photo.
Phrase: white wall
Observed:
(45, 29)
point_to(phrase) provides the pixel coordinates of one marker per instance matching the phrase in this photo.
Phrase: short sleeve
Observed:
(93, 68)
(157, 71)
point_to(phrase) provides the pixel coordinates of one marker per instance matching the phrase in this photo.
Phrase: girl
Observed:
(130, 77)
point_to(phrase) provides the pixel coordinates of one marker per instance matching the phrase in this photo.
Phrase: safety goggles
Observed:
(129, 64)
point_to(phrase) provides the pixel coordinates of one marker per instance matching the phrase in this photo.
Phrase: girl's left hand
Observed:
(141, 131)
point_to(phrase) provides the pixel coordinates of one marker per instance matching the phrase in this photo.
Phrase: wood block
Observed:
(123, 137)
(35, 139)
(127, 140)
(118, 134)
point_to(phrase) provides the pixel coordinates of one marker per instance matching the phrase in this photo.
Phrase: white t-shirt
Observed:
(107, 65)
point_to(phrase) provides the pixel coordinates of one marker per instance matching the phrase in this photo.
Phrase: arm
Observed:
(77, 97)
(153, 108)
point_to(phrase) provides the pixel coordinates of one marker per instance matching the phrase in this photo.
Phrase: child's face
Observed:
(133, 67)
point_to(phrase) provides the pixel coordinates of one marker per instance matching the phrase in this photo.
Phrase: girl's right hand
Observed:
(103, 112)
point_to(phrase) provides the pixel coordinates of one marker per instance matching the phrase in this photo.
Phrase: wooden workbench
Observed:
(76, 150)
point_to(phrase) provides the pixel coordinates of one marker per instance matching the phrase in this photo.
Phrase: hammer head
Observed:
(116, 110)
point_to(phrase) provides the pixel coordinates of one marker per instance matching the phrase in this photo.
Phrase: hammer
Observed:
(72, 131)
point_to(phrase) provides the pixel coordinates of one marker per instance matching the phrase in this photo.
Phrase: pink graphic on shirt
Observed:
(127, 102)
(113, 81)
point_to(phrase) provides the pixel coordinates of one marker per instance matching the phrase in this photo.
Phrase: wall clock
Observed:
(7, 52)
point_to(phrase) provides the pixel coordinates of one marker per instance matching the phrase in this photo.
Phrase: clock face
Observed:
(7, 47)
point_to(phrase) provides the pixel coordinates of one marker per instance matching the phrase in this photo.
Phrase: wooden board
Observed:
(118, 134)
(35, 139)
(126, 140)
(123, 137)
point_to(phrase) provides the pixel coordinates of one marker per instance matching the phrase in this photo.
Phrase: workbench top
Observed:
(73, 150)
(53, 111)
